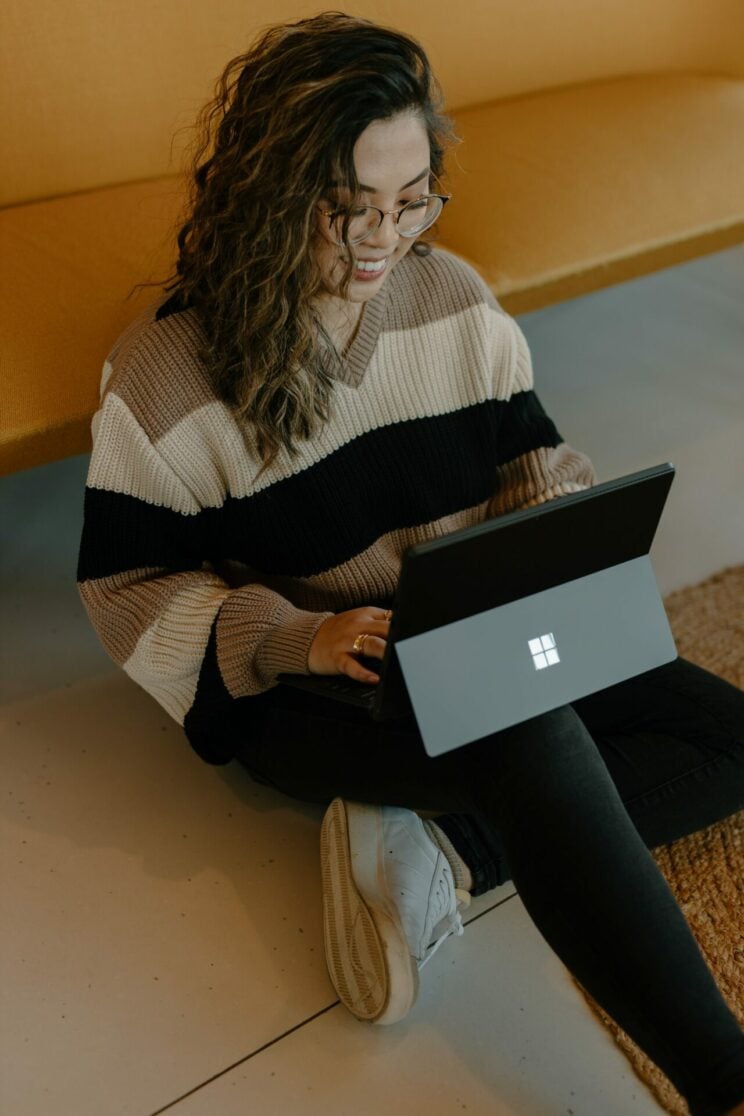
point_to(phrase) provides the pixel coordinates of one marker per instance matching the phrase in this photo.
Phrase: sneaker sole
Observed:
(366, 949)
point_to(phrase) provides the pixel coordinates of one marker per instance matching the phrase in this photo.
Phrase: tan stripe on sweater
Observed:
(125, 606)
(538, 476)
(400, 385)
(157, 372)
(162, 379)
(423, 290)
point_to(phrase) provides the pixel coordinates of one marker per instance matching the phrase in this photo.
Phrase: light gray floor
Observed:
(161, 918)
(653, 371)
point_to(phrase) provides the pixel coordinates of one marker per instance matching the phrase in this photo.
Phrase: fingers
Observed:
(377, 622)
(332, 650)
(373, 647)
(378, 629)
(375, 626)
(370, 637)
(355, 670)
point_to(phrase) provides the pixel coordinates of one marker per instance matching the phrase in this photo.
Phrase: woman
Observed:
(320, 391)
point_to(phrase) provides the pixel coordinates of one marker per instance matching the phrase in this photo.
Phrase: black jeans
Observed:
(567, 805)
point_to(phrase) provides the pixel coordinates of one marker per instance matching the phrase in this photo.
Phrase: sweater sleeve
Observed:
(151, 593)
(535, 464)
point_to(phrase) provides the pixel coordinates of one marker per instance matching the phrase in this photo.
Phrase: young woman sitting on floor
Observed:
(319, 390)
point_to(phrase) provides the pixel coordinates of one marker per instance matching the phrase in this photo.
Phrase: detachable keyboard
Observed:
(338, 686)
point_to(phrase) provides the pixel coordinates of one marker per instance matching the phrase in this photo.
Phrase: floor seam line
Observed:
(291, 1030)
(246, 1058)
(474, 918)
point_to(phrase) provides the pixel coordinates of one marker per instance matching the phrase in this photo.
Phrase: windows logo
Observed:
(543, 651)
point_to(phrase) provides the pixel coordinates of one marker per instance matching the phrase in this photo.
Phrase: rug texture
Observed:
(706, 869)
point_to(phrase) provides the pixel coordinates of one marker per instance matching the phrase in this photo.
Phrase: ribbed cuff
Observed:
(287, 647)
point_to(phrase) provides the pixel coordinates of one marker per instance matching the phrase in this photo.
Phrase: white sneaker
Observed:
(388, 892)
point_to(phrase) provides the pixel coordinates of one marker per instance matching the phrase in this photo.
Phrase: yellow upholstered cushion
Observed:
(66, 269)
(559, 193)
(91, 93)
(555, 194)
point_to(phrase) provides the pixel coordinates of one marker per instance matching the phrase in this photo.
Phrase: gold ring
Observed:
(359, 642)
(389, 614)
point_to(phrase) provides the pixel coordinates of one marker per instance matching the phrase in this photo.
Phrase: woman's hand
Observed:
(332, 650)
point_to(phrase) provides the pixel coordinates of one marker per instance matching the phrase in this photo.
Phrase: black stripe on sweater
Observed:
(121, 533)
(400, 475)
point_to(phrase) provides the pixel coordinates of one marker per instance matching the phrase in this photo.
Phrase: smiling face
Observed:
(391, 159)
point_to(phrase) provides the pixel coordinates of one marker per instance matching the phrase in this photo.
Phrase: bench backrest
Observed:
(93, 91)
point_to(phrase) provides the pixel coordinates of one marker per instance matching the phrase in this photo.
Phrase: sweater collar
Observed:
(350, 367)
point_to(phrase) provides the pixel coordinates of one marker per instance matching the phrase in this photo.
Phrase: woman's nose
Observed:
(386, 234)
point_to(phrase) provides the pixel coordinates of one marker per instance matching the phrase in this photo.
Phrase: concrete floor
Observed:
(161, 944)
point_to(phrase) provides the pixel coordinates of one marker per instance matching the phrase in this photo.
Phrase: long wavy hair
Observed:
(279, 131)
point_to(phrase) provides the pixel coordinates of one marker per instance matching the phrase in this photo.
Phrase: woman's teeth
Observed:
(370, 265)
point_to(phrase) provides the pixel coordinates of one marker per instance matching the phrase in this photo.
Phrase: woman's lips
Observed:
(362, 275)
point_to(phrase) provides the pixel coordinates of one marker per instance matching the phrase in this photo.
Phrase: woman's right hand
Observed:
(331, 652)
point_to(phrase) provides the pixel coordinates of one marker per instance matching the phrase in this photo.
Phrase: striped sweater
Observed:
(205, 583)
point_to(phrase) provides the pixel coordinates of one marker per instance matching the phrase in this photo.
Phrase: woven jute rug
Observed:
(706, 869)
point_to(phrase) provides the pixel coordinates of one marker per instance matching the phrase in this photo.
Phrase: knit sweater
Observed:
(204, 582)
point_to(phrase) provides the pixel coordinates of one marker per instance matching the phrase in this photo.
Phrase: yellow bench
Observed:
(600, 141)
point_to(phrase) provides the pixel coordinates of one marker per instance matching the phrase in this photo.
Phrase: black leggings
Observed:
(567, 805)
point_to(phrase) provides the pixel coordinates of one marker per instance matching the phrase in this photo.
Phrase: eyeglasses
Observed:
(361, 222)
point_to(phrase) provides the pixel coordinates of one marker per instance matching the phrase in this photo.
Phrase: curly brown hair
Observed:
(281, 127)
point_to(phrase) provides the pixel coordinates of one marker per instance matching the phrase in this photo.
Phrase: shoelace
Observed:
(455, 926)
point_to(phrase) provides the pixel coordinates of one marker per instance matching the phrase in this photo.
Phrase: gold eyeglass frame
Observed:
(331, 213)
